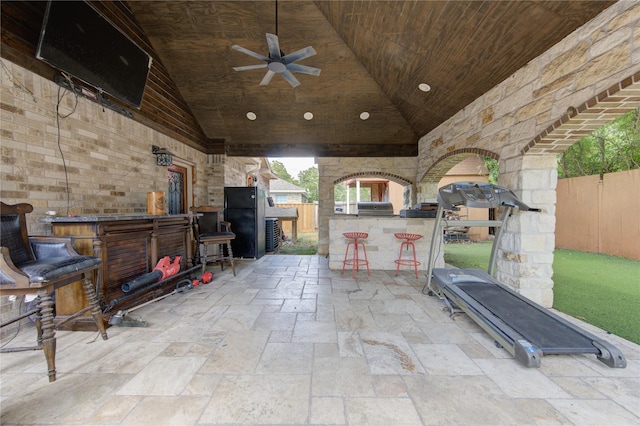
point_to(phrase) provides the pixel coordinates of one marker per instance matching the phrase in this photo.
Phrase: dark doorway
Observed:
(177, 199)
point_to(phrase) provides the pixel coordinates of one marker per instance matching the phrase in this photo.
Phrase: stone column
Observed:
(525, 259)
(325, 211)
(428, 191)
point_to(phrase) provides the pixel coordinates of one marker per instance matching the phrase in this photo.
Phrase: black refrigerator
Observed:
(245, 209)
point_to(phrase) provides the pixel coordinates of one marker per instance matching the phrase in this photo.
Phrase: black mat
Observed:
(537, 326)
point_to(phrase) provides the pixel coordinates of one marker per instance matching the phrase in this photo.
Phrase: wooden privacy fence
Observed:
(307, 218)
(600, 217)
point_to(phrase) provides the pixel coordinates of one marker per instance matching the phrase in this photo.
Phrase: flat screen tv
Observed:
(79, 41)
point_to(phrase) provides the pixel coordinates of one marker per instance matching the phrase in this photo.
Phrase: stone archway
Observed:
(428, 183)
(408, 196)
(383, 175)
(583, 119)
(401, 170)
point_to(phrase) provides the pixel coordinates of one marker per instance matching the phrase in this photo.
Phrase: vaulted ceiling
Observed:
(372, 56)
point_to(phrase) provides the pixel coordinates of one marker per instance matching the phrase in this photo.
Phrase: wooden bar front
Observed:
(129, 246)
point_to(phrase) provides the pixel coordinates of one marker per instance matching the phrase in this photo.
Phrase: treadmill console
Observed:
(478, 195)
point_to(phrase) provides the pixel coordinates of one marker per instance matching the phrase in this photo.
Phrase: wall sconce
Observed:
(163, 156)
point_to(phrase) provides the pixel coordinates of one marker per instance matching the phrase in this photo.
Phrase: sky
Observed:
(295, 165)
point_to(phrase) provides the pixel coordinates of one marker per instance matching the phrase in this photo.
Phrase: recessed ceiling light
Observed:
(251, 116)
(364, 115)
(308, 116)
(424, 87)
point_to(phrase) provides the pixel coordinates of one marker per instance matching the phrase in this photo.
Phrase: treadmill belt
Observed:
(535, 325)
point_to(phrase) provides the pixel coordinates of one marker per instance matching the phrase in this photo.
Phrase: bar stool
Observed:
(408, 243)
(355, 262)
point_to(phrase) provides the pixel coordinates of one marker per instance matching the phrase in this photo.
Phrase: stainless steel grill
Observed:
(371, 208)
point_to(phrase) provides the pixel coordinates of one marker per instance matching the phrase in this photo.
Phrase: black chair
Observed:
(209, 228)
(40, 265)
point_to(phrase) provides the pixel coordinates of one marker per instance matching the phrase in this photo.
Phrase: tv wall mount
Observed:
(91, 94)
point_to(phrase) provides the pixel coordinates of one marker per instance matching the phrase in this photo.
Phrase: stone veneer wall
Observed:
(381, 245)
(573, 75)
(332, 170)
(571, 78)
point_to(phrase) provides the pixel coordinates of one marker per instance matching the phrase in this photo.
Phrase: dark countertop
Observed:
(106, 218)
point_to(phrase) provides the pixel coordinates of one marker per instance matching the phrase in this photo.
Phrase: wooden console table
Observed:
(129, 246)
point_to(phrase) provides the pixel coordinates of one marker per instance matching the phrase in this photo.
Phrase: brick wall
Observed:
(108, 159)
(109, 164)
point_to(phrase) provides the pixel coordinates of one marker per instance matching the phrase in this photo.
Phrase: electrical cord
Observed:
(15, 82)
(58, 117)
(59, 142)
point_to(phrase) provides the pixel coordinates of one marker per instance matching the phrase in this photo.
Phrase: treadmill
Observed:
(527, 330)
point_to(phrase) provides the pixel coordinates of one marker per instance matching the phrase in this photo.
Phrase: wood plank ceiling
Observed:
(373, 55)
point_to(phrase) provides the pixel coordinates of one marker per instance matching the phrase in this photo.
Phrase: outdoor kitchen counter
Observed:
(382, 246)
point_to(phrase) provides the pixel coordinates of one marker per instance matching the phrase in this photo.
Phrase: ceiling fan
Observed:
(277, 62)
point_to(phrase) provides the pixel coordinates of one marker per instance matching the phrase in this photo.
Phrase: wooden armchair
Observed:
(40, 265)
(209, 228)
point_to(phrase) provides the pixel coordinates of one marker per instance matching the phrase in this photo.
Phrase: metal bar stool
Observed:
(355, 262)
(407, 243)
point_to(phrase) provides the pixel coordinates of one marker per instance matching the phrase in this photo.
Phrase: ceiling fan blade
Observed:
(299, 54)
(290, 78)
(249, 52)
(274, 46)
(267, 78)
(304, 69)
(250, 67)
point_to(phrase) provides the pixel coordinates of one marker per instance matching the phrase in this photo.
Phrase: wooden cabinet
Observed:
(129, 246)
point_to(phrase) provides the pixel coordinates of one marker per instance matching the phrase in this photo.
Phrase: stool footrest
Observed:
(357, 248)
(409, 246)
(356, 262)
(408, 262)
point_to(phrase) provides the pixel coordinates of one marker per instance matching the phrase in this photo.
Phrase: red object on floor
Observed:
(407, 243)
(206, 278)
(355, 261)
(168, 268)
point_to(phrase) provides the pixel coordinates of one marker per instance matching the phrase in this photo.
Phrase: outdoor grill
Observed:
(371, 208)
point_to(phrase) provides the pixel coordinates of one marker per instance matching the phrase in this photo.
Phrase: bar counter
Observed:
(383, 248)
(129, 245)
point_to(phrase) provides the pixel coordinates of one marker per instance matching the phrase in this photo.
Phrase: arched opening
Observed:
(371, 187)
(460, 166)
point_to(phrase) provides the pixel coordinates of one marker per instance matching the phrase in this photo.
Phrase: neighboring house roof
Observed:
(279, 185)
(282, 187)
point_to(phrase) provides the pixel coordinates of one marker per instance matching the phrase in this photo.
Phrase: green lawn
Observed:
(599, 289)
(307, 244)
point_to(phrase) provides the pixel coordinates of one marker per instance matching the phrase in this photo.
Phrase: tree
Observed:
(611, 148)
(308, 179)
(281, 171)
(494, 169)
(340, 191)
